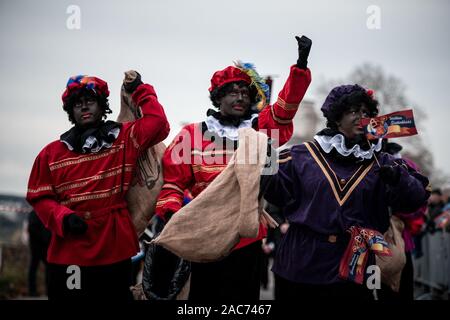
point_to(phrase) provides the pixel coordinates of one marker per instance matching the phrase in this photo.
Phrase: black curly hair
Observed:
(75, 96)
(222, 91)
(350, 101)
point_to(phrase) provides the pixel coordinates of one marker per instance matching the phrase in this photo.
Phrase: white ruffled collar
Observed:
(327, 143)
(230, 132)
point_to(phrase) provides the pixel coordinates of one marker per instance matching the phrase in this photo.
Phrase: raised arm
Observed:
(279, 115)
(152, 126)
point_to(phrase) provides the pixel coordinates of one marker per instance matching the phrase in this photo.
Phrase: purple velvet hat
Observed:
(337, 93)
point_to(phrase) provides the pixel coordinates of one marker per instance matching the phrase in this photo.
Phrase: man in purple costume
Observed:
(329, 185)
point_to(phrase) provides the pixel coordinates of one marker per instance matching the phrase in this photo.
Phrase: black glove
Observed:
(389, 175)
(304, 46)
(131, 86)
(164, 274)
(74, 224)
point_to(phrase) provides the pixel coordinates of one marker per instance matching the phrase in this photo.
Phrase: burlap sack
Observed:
(148, 180)
(210, 226)
(391, 267)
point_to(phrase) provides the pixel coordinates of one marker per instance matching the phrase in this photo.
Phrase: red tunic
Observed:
(93, 186)
(192, 161)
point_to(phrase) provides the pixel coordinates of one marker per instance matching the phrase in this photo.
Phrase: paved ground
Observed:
(267, 294)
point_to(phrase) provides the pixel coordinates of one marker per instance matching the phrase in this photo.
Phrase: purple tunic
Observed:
(322, 196)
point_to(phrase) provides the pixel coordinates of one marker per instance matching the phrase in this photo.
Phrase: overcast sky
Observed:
(176, 45)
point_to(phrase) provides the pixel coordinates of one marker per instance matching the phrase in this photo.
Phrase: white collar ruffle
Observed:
(327, 143)
(230, 132)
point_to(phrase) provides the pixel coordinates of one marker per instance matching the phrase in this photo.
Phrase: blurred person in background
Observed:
(39, 240)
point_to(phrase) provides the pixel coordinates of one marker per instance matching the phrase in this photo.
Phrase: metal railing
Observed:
(432, 269)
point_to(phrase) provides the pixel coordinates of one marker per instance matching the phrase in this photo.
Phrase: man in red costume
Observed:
(78, 184)
(200, 152)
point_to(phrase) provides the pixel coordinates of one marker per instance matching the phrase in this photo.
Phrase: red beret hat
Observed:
(227, 75)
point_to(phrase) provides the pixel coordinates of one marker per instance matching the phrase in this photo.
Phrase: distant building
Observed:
(306, 123)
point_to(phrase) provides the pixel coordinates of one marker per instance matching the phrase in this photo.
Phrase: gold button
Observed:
(87, 215)
(332, 238)
(343, 181)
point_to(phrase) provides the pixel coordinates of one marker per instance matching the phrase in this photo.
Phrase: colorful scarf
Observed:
(362, 241)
